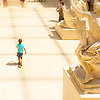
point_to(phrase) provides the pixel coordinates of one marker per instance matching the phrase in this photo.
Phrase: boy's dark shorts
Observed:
(19, 55)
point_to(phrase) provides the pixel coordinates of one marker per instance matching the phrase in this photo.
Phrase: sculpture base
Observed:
(71, 90)
(66, 33)
(78, 74)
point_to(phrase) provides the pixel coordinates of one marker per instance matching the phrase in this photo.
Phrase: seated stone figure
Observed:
(88, 51)
(70, 16)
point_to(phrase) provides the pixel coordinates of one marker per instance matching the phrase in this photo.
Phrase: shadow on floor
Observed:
(52, 27)
(54, 35)
(53, 21)
(11, 63)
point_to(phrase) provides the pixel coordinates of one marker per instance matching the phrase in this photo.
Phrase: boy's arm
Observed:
(57, 7)
(25, 50)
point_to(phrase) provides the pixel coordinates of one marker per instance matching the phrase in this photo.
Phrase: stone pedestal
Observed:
(66, 33)
(71, 91)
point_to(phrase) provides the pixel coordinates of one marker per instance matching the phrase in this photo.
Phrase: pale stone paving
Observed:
(40, 78)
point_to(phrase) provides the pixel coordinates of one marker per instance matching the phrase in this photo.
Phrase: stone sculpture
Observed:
(66, 28)
(70, 16)
(88, 51)
(96, 7)
(68, 19)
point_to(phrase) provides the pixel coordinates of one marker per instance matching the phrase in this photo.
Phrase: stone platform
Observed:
(78, 74)
(71, 90)
(66, 33)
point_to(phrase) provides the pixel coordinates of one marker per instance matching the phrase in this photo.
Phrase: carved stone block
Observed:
(71, 90)
(66, 33)
(78, 74)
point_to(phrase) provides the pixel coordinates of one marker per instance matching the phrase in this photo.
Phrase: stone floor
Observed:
(41, 77)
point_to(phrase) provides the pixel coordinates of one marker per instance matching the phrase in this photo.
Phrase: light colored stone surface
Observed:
(41, 77)
(14, 3)
(68, 19)
(65, 33)
(78, 74)
(71, 91)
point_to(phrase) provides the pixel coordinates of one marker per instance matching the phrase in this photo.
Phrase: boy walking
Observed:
(21, 48)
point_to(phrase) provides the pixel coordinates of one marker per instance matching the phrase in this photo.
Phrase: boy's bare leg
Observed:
(19, 60)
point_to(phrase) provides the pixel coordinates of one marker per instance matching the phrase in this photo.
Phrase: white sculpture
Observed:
(88, 51)
(70, 16)
(68, 19)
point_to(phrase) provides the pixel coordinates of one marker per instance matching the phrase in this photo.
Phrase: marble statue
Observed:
(88, 51)
(70, 16)
(68, 19)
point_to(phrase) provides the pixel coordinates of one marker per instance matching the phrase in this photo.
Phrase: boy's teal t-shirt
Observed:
(20, 48)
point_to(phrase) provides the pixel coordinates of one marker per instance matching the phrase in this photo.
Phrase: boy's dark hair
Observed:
(20, 41)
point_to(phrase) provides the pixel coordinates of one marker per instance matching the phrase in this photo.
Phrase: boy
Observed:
(20, 51)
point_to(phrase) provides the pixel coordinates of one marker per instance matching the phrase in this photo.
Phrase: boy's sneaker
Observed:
(21, 64)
